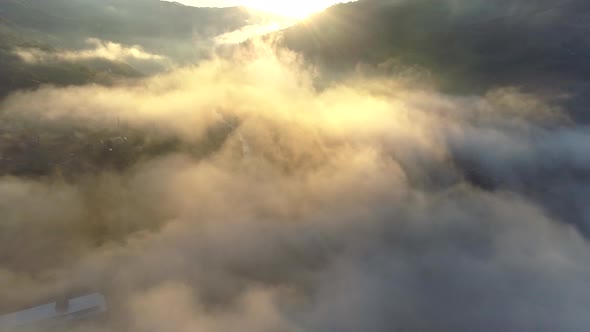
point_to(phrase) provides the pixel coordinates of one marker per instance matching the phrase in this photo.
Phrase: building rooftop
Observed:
(73, 309)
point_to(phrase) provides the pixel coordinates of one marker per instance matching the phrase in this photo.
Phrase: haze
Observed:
(297, 9)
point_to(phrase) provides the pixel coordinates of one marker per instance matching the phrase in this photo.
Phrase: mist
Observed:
(237, 194)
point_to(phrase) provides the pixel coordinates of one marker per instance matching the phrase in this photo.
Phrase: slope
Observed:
(467, 45)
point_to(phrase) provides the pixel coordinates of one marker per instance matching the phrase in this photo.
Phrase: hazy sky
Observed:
(297, 8)
(211, 3)
(229, 3)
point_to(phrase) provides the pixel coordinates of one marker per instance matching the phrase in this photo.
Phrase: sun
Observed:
(298, 9)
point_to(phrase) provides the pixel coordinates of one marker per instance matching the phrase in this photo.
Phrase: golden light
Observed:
(294, 9)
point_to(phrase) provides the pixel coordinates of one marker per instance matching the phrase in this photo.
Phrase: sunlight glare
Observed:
(299, 9)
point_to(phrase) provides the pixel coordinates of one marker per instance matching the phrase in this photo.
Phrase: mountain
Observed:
(468, 45)
(74, 42)
(17, 74)
(165, 28)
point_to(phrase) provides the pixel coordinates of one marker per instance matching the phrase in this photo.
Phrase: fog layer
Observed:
(234, 195)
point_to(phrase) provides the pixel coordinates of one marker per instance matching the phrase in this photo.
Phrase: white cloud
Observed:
(247, 32)
(100, 49)
(360, 207)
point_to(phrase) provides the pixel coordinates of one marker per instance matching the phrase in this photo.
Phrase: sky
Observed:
(300, 8)
(211, 3)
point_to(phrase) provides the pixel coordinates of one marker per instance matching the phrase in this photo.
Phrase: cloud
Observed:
(248, 32)
(255, 200)
(100, 49)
